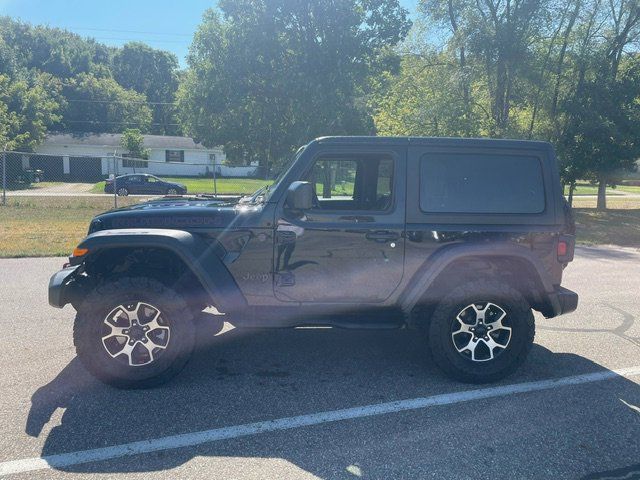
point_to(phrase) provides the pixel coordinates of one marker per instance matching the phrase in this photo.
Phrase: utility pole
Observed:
(115, 177)
(215, 186)
(4, 175)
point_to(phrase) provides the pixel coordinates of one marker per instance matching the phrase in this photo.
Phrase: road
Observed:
(403, 418)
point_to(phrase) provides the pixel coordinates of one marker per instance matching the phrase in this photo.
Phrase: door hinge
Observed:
(285, 279)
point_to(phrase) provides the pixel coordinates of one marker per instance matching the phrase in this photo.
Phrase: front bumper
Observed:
(61, 287)
(562, 301)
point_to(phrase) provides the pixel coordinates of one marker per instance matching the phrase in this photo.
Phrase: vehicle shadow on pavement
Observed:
(239, 377)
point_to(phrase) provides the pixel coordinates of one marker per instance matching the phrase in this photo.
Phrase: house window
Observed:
(174, 155)
(130, 162)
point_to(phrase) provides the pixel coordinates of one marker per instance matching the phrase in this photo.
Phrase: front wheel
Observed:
(172, 191)
(481, 332)
(133, 333)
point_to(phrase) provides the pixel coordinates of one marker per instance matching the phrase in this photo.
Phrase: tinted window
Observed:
(481, 183)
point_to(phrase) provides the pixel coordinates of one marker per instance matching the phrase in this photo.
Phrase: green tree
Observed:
(133, 142)
(102, 83)
(426, 98)
(602, 136)
(559, 71)
(27, 108)
(153, 73)
(61, 53)
(102, 105)
(268, 75)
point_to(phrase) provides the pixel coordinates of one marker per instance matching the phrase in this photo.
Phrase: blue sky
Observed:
(166, 24)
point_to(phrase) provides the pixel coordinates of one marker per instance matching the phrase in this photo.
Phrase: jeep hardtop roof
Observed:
(435, 141)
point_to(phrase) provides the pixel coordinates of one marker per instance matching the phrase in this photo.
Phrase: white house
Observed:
(89, 156)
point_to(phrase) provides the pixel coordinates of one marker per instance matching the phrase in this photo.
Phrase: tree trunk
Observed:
(602, 194)
(572, 187)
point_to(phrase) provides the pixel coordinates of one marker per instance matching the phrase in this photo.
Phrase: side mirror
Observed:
(300, 196)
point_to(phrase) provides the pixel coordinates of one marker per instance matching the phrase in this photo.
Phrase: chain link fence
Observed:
(89, 175)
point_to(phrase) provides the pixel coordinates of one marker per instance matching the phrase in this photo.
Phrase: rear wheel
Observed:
(481, 332)
(133, 333)
(123, 192)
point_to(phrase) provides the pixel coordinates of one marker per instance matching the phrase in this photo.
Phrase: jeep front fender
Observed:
(198, 256)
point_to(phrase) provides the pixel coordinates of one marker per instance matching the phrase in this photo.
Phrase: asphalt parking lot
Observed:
(322, 403)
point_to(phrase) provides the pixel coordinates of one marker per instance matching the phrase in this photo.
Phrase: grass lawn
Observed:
(613, 227)
(585, 188)
(53, 226)
(629, 188)
(48, 226)
(225, 186)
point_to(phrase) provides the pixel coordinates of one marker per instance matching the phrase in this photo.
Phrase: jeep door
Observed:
(349, 247)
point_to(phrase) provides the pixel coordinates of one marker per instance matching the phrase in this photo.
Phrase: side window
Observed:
(481, 183)
(354, 182)
(385, 177)
(334, 179)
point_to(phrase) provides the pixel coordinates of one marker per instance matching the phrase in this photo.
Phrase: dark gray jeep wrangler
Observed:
(457, 238)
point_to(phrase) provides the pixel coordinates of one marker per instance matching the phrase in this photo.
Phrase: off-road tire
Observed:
(453, 363)
(88, 328)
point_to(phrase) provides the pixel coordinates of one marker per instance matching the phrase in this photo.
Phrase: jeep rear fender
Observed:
(439, 261)
(198, 256)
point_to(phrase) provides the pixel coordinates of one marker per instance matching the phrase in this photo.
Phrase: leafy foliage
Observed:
(95, 88)
(153, 73)
(133, 142)
(559, 71)
(268, 75)
(102, 105)
(27, 107)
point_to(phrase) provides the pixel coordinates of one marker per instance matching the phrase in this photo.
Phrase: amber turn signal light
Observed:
(79, 252)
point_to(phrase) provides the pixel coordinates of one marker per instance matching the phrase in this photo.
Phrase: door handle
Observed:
(382, 236)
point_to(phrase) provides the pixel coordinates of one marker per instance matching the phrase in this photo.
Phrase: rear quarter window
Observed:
(481, 183)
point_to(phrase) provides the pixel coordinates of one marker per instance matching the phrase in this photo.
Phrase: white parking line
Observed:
(217, 434)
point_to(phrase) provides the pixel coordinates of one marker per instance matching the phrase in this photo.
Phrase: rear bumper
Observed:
(562, 301)
(60, 287)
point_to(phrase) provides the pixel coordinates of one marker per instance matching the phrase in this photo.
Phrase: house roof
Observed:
(113, 140)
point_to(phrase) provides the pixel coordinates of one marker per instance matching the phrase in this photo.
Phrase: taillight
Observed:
(562, 248)
(565, 248)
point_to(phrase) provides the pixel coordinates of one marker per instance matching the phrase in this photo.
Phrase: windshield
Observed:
(264, 193)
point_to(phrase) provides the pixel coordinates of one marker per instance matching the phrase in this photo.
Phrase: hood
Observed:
(186, 213)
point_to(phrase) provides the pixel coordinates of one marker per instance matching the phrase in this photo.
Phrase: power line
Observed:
(107, 122)
(130, 31)
(180, 42)
(122, 101)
